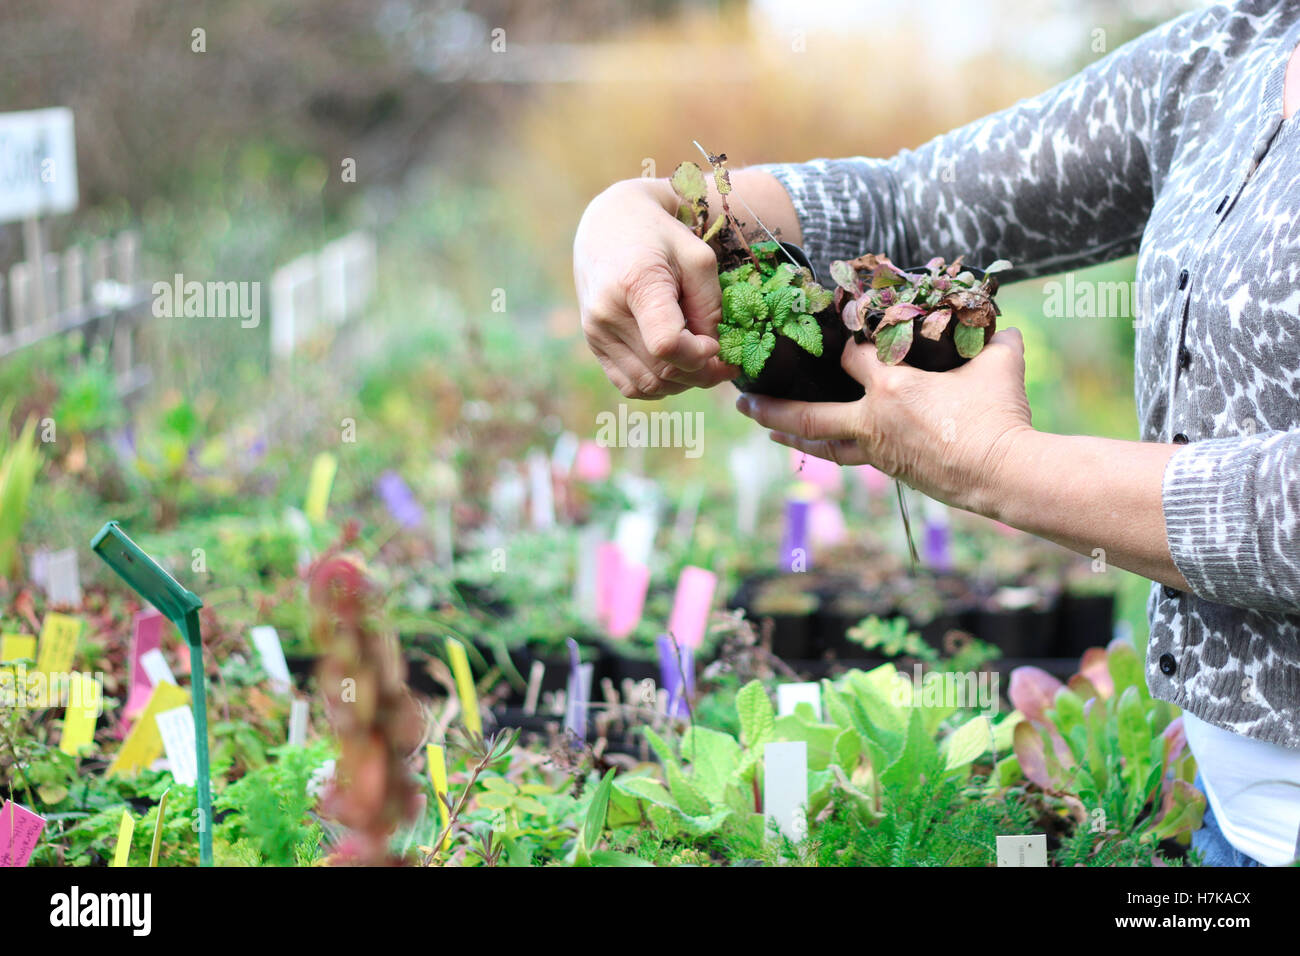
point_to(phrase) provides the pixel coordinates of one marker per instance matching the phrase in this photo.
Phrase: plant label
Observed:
(438, 777)
(691, 606)
(63, 578)
(541, 493)
(38, 567)
(85, 701)
(271, 651)
(176, 726)
(794, 541)
(298, 718)
(586, 579)
(629, 600)
(592, 462)
(823, 475)
(1029, 849)
(677, 674)
(17, 647)
(20, 831)
(535, 674)
(146, 637)
(635, 536)
(937, 546)
(319, 485)
(58, 647)
(465, 688)
(156, 666)
(399, 500)
(826, 527)
(790, 696)
(565, 453)
(785, 787)
(577, 697)
(125, 831)
(609, 567)
(143, 745)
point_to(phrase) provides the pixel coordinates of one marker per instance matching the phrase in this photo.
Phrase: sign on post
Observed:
(38, 164)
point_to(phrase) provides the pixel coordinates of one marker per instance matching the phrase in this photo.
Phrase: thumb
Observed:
(861, 361)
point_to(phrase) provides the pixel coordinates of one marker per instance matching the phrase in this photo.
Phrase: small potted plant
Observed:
(936, 317)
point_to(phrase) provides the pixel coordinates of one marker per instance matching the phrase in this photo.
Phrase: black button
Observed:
(1180, 439)
(1222, 202)
(1168, 665)
(1182, 279)
(1169, 592)
(1184, 357)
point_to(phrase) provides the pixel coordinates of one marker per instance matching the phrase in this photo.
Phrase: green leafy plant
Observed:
(20, 460)
(892, 638)
(880, 301)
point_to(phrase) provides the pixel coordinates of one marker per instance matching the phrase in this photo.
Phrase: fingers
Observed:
(631, 374)
(701, 295)
(841, 451)
(661, 325)
(818, 421)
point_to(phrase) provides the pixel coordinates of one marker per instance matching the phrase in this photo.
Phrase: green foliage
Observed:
(891, 637)
(269, 809)
(20, 460)
(764, 297)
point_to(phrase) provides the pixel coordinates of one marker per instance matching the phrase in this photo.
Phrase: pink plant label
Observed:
(592, 462)
(822, 474)
(826, 524)
(20, 831)
(873, 479)
(628, 599)
(609, 569)
(691, 605)
(147, 637)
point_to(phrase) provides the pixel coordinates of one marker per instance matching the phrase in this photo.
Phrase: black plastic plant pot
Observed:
(1084, 621)
(518, 718)
(927, 354)
(790, 372)
(1018, 633)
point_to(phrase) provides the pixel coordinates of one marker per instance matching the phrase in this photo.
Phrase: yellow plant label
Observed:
(59, 635)
(124, 833)
(465, 685)
(438, 776)
(17, 647)
(319, 485)
(84, 703)
(143, 745)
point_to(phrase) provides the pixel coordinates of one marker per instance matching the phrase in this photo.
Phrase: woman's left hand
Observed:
(946, 434)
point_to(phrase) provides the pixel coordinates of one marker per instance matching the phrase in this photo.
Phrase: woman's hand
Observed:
(947, 434)
(648, 293)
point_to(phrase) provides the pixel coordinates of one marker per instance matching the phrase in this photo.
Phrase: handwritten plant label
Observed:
(790, 696)
(465, 685)
(143, 745)
(319, 485)
(156, 666)
(176, 726)
(63, 578)
(271, 651)
(785, 787)
(125, 831)
(20, 831)
(85, 701)
(58, 648)
(298, 717)
(1029, 849)
(146, 636)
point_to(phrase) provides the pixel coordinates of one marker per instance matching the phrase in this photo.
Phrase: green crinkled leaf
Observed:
(817, 297)
(714, 758)
(782, 303)
(893, 343)
(689, 799)
(660, 747)
(738, 274)
(804, 330)
(731, 345)
(645, 788)
(757, 718)
(780, 279)
(969, 340)
(757, 347)
(742, 304)
(689, 183)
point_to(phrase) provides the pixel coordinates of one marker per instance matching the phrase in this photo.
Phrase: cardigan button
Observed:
(1168, 665)
(1180, 439)
(1184, 357)
(1182, 279)
(1171, 593)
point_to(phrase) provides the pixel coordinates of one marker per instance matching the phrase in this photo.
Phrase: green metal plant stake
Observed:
(148, 579)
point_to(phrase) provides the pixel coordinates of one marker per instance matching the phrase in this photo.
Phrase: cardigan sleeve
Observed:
(1055, 182)
(1232, 514)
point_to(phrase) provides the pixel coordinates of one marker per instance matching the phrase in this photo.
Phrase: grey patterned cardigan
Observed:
(1173, 147)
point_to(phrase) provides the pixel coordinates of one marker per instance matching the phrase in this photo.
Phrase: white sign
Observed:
(790, 696)
(62, 578)
(1029, 849)
(177, 730)
(267, 642)
(155, 665)
(38, 164)
(785, 787)
(298, 715)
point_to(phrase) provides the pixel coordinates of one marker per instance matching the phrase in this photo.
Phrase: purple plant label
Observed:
(578, 693)
(794, 544)
(938, 545)
(20, 831)
(677, 675)
(399, 500)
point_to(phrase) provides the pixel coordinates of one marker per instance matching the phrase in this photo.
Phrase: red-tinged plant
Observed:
(377, 722)
(940, 316)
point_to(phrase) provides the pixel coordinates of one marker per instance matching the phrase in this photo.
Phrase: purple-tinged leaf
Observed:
(893, 342)
(1031, 752)
(903, 312)
(1032, 692)
(851, 317)
(845, 277)
(933, 325)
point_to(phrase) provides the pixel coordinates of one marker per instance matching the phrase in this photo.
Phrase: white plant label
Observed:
(790, 696)
(541, 498)
(155, 665)
(63, 578)
(635, 536)
(269, 649)
(298, 713)
(785, 787)
(1029, 849)
(177, 730)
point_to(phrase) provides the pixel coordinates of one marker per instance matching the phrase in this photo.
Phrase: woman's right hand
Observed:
(648, 293)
